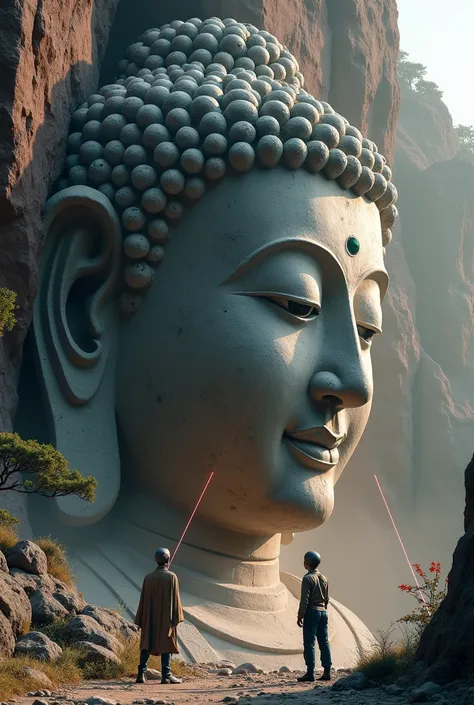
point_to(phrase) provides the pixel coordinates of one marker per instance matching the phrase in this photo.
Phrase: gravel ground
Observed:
(269, 689)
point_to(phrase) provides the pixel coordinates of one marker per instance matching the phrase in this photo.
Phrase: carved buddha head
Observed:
(212, 282)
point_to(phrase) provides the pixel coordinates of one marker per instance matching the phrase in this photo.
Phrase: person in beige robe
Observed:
(158, 615)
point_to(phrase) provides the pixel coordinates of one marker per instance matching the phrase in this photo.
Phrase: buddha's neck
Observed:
(216, 554)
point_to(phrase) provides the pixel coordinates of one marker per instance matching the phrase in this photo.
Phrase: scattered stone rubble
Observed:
(32, 598)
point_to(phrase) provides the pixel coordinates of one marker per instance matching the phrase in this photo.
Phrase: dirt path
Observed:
(269, 689)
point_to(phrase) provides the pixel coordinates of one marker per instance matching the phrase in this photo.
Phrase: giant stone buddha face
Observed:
(251, 220)
(251, 353)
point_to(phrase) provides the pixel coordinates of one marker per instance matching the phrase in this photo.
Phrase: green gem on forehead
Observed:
(352, 246)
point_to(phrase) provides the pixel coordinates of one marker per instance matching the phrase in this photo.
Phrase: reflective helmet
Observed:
(162, 556)
(313, 559)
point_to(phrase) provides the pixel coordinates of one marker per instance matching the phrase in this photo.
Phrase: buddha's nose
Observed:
(348, 390)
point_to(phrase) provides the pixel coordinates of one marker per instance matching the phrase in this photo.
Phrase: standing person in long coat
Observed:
(158, 615)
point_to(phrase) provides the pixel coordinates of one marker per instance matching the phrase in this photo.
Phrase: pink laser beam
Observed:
(401, 543)
(192, 516)
(213, 472)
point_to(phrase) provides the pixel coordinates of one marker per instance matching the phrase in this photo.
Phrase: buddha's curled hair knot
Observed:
(193, 101)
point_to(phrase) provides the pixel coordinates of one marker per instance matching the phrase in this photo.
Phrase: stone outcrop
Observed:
(50, 53)
(42, 600)
(447, 645)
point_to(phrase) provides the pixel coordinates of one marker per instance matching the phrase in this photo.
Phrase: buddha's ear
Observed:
(75, 330)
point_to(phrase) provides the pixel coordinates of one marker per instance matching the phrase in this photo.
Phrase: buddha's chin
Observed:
(292, 508)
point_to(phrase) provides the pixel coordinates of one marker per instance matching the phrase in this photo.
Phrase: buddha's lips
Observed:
(315, 448)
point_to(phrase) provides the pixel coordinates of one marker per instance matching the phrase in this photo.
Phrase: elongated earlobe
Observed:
(75, 328)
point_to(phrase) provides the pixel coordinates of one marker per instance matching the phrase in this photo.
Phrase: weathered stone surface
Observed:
(111, 621)
(447, 645)
(14, 604)
(94, 653)
(28, 556)
(45, 608)
(30, 582)
(38, 646)
(68, 597)
(7, 640)
(3, 563)
(84, 628)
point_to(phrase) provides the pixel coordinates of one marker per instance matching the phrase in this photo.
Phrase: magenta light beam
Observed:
(213, 472)
(401, 544)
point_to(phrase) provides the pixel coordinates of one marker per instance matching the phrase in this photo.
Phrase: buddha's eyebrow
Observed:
(312, 249)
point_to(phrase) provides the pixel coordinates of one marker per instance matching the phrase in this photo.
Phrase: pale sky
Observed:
(440, 35)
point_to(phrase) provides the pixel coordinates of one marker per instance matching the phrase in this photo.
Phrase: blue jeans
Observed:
(315, 626)
(165, 663)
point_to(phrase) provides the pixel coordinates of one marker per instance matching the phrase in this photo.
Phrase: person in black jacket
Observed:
(313, 618)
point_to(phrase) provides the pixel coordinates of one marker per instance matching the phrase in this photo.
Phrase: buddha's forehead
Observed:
(278, 211)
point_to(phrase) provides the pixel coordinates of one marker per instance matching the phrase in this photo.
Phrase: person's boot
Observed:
(307, 678)
(326, 675)
(140, 676)
(171, 680)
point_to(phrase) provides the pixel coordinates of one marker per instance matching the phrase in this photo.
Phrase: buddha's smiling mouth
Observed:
(315, 448)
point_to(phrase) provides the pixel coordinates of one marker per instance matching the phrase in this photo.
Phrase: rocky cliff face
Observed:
(447, 645)
(50, 51)
(419, 437)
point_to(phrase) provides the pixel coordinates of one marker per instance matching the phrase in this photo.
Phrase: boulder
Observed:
(245, 668)
(111, 621)
(7, 640)
(153, 675)
(68, 597)
(45, 608)
(14, 604)
(29, 557)
(30, 582)
(84, 628)
(39, 678)
(3, 563)
(356, 681)
(38, 646)
(424, 693)
(93, 653)
(97, 700)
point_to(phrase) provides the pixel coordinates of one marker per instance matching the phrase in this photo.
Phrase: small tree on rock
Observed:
(29, 467)
(409, 72)
(428, 88)
(465, 135)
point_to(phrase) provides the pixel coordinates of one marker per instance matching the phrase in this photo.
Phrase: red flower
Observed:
(405, 588)
(419, 570)
(435, 567)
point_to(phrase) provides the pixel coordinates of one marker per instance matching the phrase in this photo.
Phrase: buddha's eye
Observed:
(367, 334)
(296, 308)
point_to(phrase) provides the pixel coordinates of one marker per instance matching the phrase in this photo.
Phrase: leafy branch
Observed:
(29, 467)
